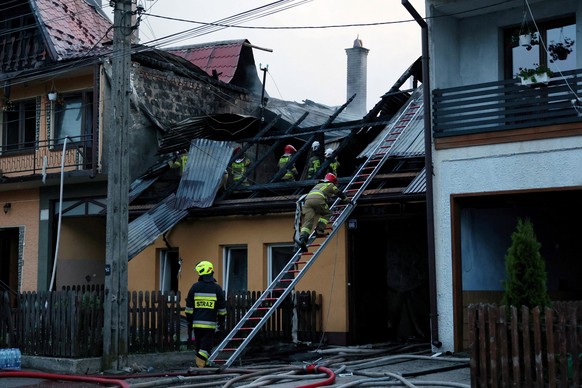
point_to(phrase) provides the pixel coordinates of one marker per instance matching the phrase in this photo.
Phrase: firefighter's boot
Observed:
(201, 358)
(320, 229)
(303, 242)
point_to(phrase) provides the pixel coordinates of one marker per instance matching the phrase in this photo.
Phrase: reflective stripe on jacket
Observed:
(205, 301)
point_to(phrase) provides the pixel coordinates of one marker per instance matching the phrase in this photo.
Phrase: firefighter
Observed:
(205, 311)
(333, 164)
(239, 167)
(179, 161)
(316, 208)
(291, 173)
(314, 160)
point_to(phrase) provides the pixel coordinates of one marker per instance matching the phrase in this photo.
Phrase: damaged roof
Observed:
(218, 59)
(71, 28)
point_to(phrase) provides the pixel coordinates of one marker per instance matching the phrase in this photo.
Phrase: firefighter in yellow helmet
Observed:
(316, 208)
(205, 310)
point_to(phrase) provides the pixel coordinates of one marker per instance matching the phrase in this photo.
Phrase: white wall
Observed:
(519, 166)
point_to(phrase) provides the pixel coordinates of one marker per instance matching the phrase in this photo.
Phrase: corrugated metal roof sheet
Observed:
(410, 143)
(221, 57)
(207, 161)
(72, 27)
(418, 184)
(291, 111)
(145, 229)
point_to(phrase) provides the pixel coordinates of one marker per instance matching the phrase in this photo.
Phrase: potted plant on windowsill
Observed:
(538, 75)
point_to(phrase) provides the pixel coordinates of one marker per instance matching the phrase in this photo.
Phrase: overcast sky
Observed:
(305, 63)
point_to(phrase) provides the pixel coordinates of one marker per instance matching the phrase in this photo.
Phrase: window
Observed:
(170, 266)
(551, 33)
(73, 117)
(279, 256)
(235, 269)
(19, 126)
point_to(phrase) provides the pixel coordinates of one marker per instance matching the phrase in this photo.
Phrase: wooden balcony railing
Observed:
(503, 105)
(45, 157)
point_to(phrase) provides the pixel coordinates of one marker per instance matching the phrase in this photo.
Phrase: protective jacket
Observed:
(205, 303)
(314, 164)
(291, 173)
(238, 169)
(325, 190)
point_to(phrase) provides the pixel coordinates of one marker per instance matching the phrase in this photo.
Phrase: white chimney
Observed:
(357, 77)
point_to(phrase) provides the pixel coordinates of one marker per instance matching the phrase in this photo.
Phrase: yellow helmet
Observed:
(204, 268)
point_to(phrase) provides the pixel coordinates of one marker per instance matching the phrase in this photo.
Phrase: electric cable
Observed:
(56, 257)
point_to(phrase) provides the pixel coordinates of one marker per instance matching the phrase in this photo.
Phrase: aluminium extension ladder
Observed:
(240, 336)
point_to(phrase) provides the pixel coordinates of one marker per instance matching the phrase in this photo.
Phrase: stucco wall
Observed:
(520, 166)
(24, 213)
(81, 257)
(204, 239)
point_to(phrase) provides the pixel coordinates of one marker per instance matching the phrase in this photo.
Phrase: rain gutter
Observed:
(434, 330)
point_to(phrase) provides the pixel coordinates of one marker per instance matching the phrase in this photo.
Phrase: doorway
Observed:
(9, 253)
(388, 276)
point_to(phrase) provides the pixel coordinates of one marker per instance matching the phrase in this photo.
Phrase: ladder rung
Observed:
(306, 253)
(255, 318)
(229, 349)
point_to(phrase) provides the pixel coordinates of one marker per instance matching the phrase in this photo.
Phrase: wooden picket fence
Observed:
(513, 347)
(69, 323)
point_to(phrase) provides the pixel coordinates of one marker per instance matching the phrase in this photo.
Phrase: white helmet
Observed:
(315, 145)
(328, 152)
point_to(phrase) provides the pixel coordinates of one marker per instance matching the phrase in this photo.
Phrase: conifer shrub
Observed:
(526, 282)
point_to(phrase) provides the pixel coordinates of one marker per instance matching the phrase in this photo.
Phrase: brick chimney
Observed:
(357, 77)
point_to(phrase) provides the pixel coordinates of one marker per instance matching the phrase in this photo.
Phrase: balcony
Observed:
(46, 157)
(507, 105)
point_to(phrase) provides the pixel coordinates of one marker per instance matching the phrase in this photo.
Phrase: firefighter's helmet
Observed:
(329, 177)
(315, 146)
(289, 149)
(204, 268)
(328, 152)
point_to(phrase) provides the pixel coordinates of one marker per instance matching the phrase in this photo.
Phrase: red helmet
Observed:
(289, 149)
(329, 177)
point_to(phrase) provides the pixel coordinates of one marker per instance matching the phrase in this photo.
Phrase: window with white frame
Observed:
(19, 120)
(278, 256)
(235, 268)
(170, 267)
(73, 117)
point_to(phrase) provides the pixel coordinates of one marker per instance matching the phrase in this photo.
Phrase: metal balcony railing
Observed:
(507, 104)
(45, 157)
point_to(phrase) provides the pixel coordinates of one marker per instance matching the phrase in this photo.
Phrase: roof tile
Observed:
(65, 22)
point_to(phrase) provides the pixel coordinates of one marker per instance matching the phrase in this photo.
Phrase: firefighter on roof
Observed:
(291, 172)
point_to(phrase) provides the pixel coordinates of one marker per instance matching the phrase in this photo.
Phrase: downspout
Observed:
(434, 328)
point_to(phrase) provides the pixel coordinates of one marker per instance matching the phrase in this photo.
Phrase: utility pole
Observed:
(115, 328)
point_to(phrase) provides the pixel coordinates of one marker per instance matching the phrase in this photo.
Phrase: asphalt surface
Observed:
(285, 366)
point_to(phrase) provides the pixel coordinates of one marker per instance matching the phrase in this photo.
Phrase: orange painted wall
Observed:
(204, 239)
(24, 212)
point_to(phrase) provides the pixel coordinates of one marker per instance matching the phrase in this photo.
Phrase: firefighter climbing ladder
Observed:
(235, 342)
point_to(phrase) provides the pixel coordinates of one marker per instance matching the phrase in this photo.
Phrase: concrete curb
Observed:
(137, 362)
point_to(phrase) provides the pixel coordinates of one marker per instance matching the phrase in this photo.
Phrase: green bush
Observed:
(526, 282)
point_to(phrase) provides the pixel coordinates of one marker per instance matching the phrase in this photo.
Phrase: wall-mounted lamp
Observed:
(7, 207)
